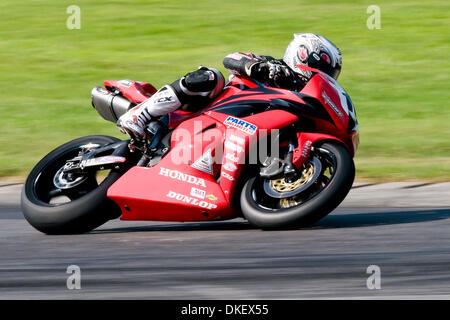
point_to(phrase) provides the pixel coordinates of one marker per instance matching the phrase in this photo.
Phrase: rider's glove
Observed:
(274, 72)
(259, 71)
(280, 74)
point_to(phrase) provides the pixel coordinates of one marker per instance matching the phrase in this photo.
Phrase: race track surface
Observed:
(404, 228)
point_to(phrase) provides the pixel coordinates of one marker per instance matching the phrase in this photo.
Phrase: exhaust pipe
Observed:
(109, 105)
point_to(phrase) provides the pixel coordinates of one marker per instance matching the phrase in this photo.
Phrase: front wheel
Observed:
(325, 180)
(58, 203)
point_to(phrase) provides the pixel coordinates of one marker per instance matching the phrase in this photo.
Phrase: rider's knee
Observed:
(204, 83)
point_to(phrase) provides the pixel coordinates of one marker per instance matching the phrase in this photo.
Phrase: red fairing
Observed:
(334, 98)
(237, 144)
(179, 188)
(179, 116)
(321, 88)
(198, 178)
(169, 192)
(182, 191)
(135, 91)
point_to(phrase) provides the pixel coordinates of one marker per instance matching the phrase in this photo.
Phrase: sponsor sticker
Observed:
(204, 163)
(237, 139)
(211, 197)
(227, 176)
(190, 200)
(177, 175)
(240, 124)
(233, 147)
(230, 166)
(102, 160)
(198, 193)
(231, 157)
(331, 104)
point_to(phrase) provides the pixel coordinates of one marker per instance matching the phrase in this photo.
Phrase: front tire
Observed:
(321, 196)
(87, 208)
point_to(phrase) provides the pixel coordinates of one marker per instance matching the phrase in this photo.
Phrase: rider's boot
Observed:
(196, 88)
(135, 120)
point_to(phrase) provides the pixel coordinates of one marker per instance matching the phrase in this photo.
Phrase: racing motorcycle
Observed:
(278, 158)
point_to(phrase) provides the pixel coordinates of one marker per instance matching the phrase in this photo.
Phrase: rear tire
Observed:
(83, 213)
(311, 209)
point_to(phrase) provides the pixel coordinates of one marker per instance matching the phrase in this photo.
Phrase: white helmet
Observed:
(314, 51)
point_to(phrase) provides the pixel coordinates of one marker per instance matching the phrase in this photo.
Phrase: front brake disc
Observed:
(280, 188)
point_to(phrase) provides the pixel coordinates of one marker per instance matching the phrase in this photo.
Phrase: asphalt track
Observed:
(404, 228)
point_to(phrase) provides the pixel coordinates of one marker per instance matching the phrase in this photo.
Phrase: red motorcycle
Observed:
(279, 158)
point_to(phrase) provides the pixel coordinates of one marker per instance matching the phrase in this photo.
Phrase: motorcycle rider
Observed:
(198, 88)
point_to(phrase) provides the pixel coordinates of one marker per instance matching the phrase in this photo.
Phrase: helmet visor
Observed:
(335, 72)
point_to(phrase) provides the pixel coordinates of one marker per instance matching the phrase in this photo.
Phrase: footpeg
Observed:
(157, 130)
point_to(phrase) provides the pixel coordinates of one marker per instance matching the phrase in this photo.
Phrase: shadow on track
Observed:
(188, 226)
(341, 220)
(372, 219)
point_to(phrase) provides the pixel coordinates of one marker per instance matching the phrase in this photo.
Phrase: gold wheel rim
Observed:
(281, 185)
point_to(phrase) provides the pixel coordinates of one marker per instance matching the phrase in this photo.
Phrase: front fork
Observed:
(300, 146)
(276, 167)
(290, 171)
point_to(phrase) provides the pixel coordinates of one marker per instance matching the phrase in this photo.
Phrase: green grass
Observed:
(397, 76)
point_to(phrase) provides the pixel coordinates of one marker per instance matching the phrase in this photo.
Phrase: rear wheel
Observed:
(55, 202)
(325, 180)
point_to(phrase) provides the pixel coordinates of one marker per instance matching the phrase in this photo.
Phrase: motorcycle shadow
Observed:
(345, 218)
(380, 218)
(235, 224)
